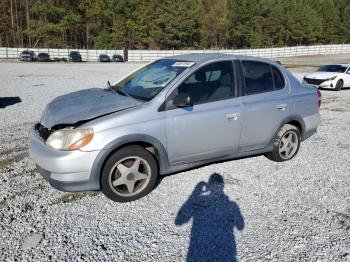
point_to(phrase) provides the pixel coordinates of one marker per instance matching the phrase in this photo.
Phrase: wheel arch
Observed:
(150, 143)
(294, 120)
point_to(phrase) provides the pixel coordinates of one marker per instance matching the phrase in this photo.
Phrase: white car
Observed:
(334, 76)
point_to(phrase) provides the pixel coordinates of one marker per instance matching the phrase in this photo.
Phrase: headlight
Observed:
(69, 139)
(330, 79)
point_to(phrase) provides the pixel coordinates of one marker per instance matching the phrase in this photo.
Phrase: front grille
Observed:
(316, 82)
(43, 131)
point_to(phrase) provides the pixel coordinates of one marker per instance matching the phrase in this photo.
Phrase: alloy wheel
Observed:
(129, 176)
(288, 145)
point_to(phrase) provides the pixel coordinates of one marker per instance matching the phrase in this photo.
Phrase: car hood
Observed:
(321, 75)
(85, 105)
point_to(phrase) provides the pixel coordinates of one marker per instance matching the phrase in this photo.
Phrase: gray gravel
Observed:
(298, 210)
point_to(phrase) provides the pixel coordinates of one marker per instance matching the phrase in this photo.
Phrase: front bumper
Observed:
(328, 84)
(25, 58)
(325, 84)
(64, 170)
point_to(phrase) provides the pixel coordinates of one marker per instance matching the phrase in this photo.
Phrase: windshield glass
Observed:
(148, 81)
(332, 68)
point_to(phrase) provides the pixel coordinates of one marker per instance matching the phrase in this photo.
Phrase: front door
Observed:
(210, 128)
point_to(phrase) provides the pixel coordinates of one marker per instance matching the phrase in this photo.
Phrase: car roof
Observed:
(203, 57)
(345, 65)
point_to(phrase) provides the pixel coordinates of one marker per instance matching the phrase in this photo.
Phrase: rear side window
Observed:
(278, 79)
(257, 77)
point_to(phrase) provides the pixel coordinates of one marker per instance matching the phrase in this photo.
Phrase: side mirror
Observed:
(182, 100)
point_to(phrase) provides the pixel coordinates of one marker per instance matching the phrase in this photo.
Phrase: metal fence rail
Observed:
(150, 55)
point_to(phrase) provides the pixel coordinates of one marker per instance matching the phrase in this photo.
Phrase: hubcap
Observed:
(129, 176)
(288, 145)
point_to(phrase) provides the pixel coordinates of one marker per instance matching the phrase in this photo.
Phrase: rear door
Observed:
(211, 127)
(265, 104)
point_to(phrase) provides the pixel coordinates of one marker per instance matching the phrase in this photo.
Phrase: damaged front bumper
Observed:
(64, 170)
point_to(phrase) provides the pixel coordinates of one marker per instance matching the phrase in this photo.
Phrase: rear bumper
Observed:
(64, 170)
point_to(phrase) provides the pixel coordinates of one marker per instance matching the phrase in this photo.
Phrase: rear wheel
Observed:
(339, 85)
(129, 174)
(286, 144)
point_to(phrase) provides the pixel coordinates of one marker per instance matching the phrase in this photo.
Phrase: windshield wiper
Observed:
(121, 92)
(139, 97)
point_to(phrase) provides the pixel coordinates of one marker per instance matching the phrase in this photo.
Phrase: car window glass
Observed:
(192, 79)
(148, 81)
(213, 75)
(210, 83)
(332, 68)
(278, 78)
(257, 77)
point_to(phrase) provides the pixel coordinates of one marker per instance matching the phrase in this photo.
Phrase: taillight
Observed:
(319, 96)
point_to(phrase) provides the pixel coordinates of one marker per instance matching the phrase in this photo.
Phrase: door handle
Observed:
(233, 116)
(282, 107)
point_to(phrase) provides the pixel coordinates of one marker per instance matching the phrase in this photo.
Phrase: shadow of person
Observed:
(9, 101)
(214, 219)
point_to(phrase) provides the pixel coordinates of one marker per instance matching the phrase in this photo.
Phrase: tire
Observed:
(339, 85)
(130, 167)
(286, 144)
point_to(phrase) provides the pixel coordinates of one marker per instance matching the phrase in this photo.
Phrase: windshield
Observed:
(332, 68)
(148, 81)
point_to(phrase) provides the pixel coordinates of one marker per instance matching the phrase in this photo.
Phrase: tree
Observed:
(167, 24)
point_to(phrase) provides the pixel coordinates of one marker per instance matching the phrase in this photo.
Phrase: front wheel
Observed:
(286, 144)
(339, 85)
(129, 174)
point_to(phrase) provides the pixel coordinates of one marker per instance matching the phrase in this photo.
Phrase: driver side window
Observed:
(210, 83)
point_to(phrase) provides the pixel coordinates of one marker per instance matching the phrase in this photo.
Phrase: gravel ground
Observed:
(297, 210)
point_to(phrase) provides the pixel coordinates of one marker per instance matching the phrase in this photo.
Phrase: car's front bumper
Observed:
(75, 59)
(328, 84)
(26, 58)
(65, 170)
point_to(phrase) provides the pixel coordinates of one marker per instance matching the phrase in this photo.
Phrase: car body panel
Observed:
(181, 138)
(43, 57)
(84, 105)
(262, 115)
(204, 131)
